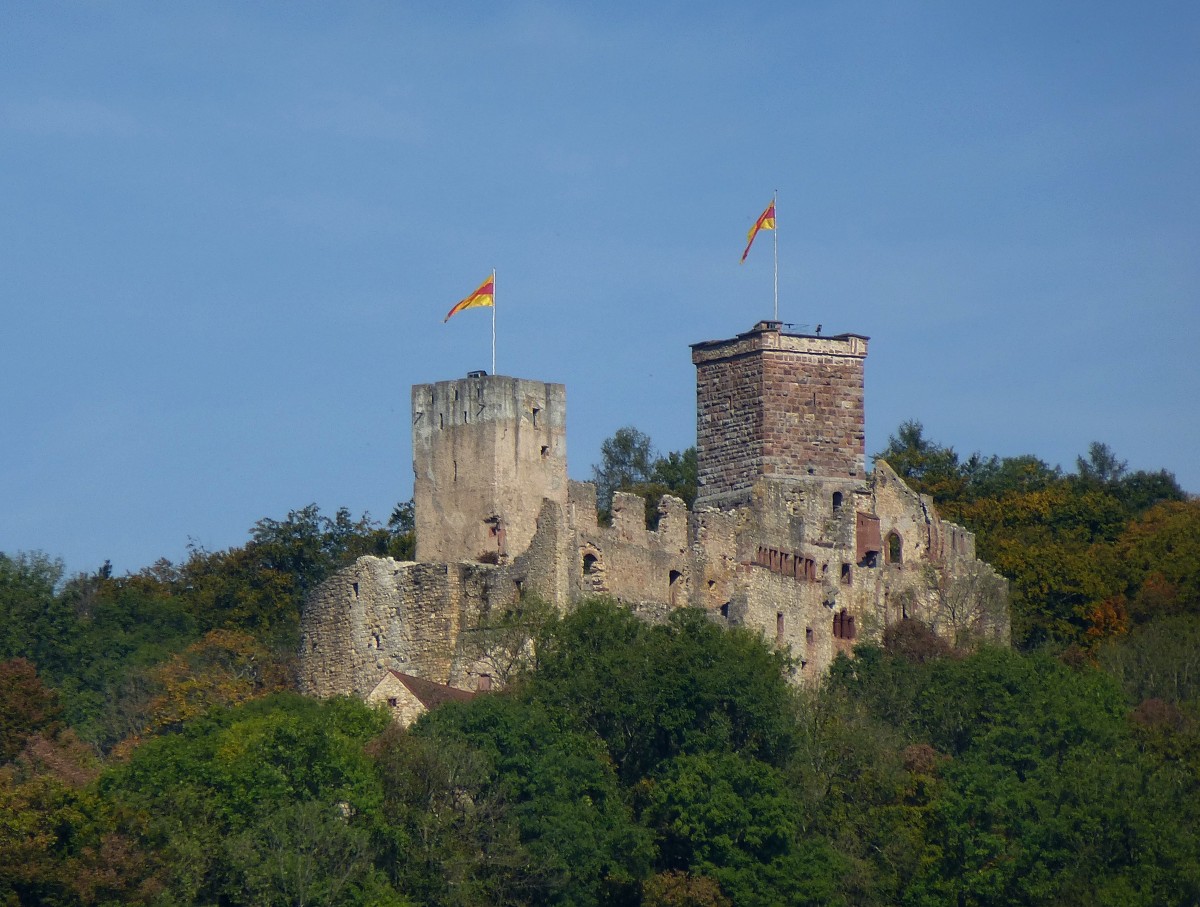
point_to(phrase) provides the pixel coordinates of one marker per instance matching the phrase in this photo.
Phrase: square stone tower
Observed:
(487, 450)
(780, 406)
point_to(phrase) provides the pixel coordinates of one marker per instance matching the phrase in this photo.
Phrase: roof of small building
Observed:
(431, 694)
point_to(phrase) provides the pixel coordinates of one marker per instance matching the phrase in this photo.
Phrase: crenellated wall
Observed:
(789, 536)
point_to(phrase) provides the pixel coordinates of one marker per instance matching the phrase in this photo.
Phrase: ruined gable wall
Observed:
(938, 580)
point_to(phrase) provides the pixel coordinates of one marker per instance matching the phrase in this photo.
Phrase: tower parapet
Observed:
(778, 406)
(487, 451)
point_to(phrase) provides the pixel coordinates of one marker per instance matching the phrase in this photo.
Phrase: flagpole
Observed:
(493, 321)
(775, 232)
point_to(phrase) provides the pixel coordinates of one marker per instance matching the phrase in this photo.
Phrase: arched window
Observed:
(837, 501)
(589, 563)
(895, 548)
(675, 583)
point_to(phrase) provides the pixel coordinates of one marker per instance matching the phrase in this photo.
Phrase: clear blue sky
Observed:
(229, 233)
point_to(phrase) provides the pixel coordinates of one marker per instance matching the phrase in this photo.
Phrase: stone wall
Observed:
(628, 561)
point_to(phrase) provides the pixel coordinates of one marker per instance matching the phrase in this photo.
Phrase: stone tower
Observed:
(779, 406)
(487, 450)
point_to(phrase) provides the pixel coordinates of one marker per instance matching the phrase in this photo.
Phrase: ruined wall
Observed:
(382, 614)
(789, 536)
(626, 560)
(932, 572)
(776, 405)
(487, 450)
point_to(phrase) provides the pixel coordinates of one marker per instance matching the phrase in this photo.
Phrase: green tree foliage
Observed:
(1043, 795)
(628, 463)
(654, 692)
(563, 797)
(273, 801)
(261, 586)
(36, 623)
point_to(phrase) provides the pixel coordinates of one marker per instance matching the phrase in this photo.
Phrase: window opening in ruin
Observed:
(843, 626)
(725, 610)
(456, 393)
(485, 683)
(535, 416)
(779, 626)
(837, 501)
(393, 702)
(846, 574)
(895, 548)
(589, 563)
(355, 591)
(441, 420)
(545, 451)
(519, 586)
(675, 583)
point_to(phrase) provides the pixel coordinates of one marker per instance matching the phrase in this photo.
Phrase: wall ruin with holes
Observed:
(814, 567)
(790, 536)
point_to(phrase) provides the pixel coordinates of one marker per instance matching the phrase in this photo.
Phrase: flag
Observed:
(485, 295)
(766, 221)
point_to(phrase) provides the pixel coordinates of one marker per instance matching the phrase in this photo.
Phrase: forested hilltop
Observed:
(153, 750)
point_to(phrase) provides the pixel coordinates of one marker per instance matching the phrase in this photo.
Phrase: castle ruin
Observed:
(789, 536)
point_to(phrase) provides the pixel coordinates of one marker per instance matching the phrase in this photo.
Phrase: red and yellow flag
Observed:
(766, 221)
(484, 296)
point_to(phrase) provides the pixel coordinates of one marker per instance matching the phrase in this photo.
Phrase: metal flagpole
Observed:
(493, 321)
(775, 232)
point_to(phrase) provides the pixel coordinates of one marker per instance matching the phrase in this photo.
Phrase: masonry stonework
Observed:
(789, 536)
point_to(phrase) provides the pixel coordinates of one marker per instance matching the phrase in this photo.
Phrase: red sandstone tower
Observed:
(780, 406)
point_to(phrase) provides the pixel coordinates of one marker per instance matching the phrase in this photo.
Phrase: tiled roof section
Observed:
(431, 694)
